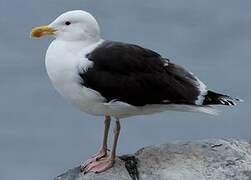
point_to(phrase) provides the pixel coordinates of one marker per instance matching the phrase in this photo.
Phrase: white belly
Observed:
(62, 64)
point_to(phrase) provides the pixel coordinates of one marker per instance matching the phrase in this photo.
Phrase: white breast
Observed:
(63, 62)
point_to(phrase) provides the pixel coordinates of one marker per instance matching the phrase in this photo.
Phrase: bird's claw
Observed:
(96, 157)
(99, 166)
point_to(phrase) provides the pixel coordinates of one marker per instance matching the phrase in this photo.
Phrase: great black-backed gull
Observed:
(115, 79)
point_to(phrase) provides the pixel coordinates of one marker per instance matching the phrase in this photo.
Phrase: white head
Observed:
(74, 25)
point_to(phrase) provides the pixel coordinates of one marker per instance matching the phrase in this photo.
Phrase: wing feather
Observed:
(138, 76)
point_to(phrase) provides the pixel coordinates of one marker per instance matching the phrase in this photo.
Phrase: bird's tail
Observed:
(213, 98)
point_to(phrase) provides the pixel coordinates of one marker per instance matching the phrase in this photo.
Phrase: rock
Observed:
(223, 159)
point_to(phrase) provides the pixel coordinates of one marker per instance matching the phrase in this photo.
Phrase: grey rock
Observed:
(222, 159)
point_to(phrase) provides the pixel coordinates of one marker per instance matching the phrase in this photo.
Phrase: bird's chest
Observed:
(63, 65)
(64, 78)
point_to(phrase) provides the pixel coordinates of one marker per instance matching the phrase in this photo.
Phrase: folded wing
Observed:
(139, 76)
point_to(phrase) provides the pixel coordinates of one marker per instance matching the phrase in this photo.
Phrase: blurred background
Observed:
(41, 135)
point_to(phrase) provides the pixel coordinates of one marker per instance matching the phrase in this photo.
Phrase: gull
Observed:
(117, 79)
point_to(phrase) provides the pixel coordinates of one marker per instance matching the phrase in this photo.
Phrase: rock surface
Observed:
(222, 159)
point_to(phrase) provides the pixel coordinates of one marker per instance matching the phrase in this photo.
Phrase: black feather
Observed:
(213, 98)
(138, 76)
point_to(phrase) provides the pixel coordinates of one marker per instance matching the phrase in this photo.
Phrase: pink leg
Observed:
(107, 162)
(103, 150)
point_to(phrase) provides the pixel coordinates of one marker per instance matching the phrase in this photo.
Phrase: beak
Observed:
(40, 31)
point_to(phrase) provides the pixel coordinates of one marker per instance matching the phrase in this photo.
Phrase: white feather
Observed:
(203, 91)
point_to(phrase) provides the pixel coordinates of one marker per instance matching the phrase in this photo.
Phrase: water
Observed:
(41, 135)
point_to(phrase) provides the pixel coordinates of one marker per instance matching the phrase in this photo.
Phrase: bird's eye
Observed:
(67, 23)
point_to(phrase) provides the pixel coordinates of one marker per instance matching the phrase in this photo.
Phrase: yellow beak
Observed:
(40, 31)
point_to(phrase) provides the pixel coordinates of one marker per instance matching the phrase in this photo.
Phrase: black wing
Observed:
(138, 76)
